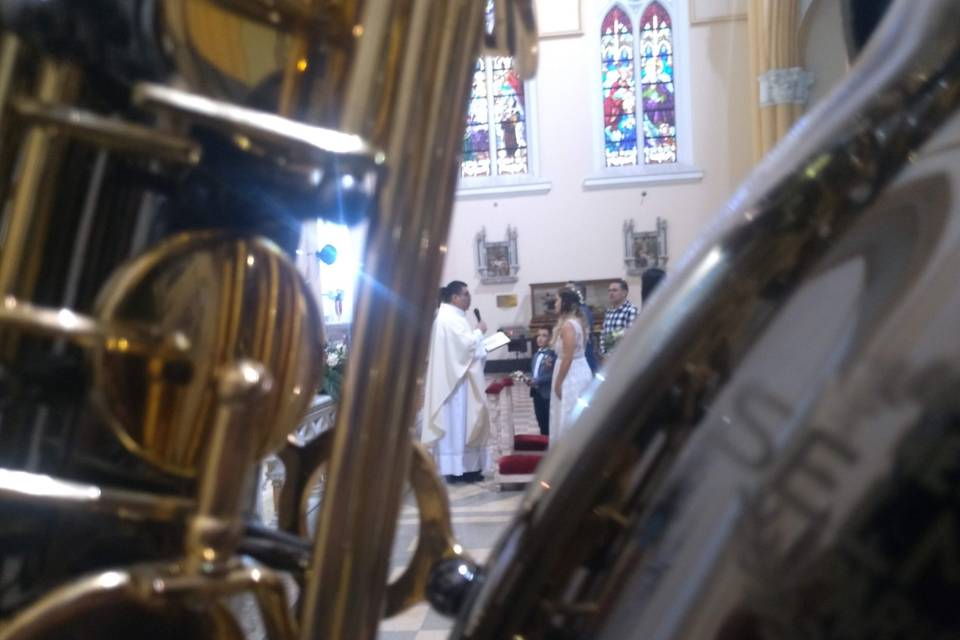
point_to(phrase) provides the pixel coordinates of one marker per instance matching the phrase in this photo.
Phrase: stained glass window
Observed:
(476, 137)
(621, 50)
(509, 117)
(619, 89)
(656, 85)
(495, 138)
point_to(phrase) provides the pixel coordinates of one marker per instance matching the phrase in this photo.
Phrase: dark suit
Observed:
(541, 379)
(588, 348)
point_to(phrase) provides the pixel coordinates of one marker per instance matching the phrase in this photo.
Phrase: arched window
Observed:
(619, 89)
(642, 110)
(657, 86)
(495, 139)
(498, 141)
(650, 46)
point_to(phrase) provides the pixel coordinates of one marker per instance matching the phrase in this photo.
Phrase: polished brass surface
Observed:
(223, 53)
(57, 191)
(180, 606)
(254, 54)
(292, 14)
(302, 465)
(45, 491)
(185, 314)
(427, 48)
(229, 456)
(293, 140)
(10, 55)
(112, 134)
(316, 171)
(231, 297)
(30, 216)
(435, 540)
(209, 568)
(9, 52)
(91, 333)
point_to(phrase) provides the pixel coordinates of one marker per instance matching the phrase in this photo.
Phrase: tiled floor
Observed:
(480, 513)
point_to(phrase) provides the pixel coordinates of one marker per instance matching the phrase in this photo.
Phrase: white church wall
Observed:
(571, 233)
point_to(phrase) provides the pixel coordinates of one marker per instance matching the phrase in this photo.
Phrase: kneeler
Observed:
(517, 455)
(518, 467)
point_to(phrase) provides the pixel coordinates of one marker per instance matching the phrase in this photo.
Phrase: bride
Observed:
(571, 373)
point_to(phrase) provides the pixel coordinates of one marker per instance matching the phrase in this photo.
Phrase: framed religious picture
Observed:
(543, 301)
(644, 249)
(497, 261)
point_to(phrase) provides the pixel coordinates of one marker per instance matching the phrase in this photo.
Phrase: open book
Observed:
(495, 341)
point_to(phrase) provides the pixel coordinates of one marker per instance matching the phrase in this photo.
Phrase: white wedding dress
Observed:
(577, 379)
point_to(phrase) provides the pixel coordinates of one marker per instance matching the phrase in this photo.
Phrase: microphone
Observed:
(476, 312)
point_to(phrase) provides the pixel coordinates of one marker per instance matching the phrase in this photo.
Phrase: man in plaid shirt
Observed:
(619, 316)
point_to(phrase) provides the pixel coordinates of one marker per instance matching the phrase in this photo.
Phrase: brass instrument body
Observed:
(57, 247)
(812, 500)
(425, 46)
(245, 146)
(123, 184)
(203, 296)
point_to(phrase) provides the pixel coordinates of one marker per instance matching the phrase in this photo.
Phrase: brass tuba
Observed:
(157, 160)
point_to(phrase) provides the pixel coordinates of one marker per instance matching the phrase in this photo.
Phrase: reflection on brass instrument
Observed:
(210, 291)
(157, 161)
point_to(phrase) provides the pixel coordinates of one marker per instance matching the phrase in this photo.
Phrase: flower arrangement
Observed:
(336, 361)
(519, 377)
(611, 339)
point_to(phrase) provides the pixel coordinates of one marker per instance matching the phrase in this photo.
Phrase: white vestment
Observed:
(456, 421)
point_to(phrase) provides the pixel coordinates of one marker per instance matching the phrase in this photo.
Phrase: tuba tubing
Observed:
(429, 49)
(592, 498)
(223, 124)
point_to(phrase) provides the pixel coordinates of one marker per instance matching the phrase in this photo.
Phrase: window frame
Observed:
(521, 184)
(684, 169)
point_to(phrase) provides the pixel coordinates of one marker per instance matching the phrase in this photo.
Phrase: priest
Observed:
(456, 421)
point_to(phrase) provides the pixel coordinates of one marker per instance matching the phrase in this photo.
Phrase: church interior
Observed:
(479, 319)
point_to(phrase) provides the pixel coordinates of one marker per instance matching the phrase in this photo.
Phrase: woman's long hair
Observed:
(570, 307)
